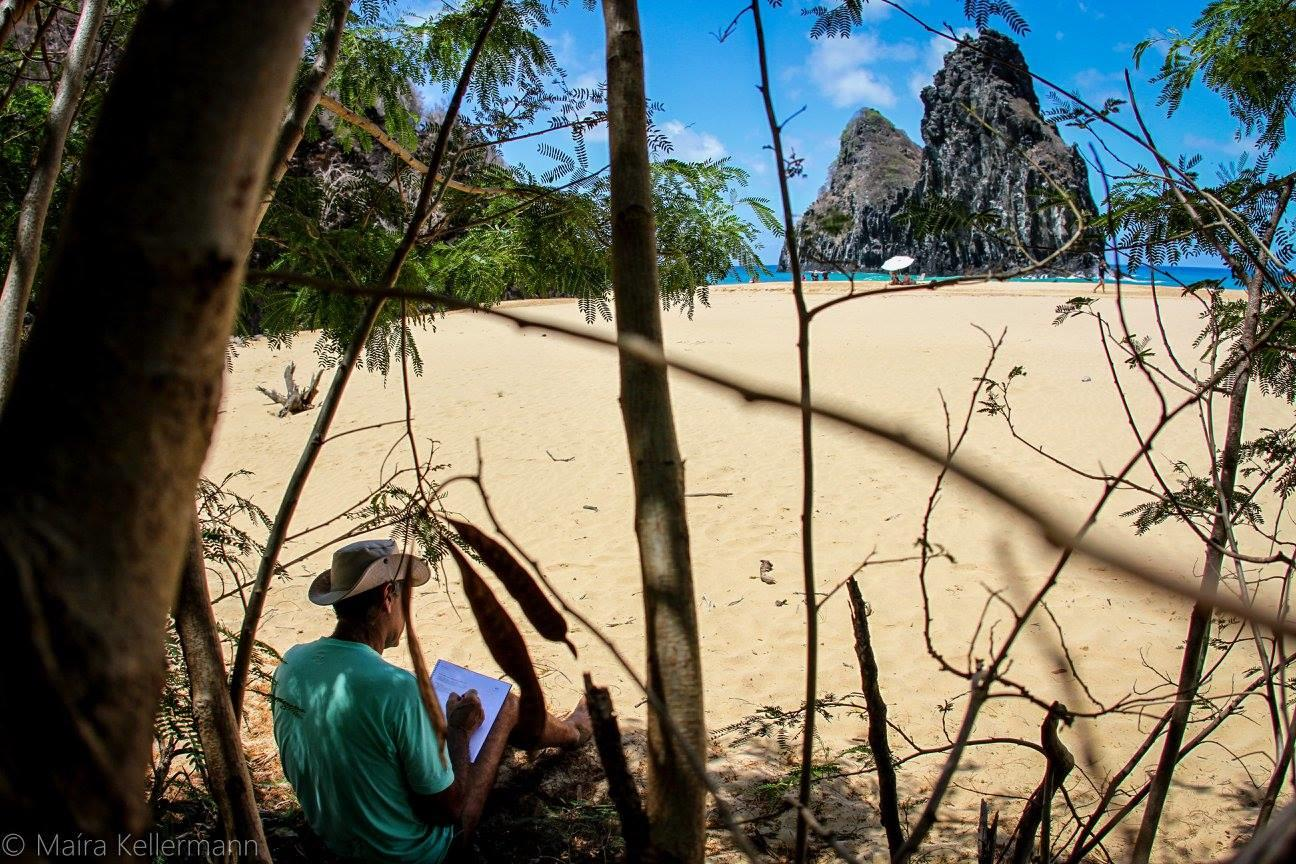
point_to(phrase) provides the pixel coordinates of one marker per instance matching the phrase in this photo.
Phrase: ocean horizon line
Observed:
(1184, 275)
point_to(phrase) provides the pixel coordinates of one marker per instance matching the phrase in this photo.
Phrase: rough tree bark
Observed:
(987, 830)
(12, 12)
(228, 778)
(96, 487)
(218, 727)
(333, 398)
(676, 796)
(40, 188)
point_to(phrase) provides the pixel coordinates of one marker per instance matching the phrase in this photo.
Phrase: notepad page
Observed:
(450, 678)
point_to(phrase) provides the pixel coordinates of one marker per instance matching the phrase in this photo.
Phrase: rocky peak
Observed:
(875, 168)
(987, 152)
(876, 163)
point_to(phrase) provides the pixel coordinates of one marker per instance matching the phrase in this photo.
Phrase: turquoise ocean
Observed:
(1167, 276)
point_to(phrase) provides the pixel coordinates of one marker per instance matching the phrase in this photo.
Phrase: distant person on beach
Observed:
(1102, 276)
(373, 777)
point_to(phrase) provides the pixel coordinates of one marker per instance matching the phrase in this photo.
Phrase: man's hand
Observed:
(464, 713)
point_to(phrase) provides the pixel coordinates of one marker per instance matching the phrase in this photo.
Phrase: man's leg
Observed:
(480, 776)
(573, 731)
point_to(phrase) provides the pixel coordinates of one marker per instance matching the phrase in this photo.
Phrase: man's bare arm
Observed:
(447, 806)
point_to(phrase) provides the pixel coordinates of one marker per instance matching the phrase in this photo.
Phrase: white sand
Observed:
(525, 395)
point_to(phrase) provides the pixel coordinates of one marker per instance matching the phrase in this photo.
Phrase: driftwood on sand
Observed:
(294, 400)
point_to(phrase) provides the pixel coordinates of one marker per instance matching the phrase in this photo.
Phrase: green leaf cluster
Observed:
(1242, 50)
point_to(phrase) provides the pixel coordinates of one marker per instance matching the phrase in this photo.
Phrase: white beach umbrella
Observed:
(899, 262)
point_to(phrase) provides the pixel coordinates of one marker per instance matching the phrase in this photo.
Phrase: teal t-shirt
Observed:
(355, 742)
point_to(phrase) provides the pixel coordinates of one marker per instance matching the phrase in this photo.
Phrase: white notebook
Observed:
(449, 678)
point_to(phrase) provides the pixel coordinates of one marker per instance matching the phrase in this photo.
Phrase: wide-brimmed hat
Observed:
(358, 567)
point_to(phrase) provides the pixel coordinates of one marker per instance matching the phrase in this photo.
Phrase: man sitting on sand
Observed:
(373, 778)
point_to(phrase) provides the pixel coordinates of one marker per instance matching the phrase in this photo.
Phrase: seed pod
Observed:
(509, 650)
(547, 620)
(427, 693)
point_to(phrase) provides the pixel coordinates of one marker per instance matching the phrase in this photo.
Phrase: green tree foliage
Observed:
(339, 212)
(28, 97)
(1157, 216)
(838, 19)
(700, 233)
(1241, 49)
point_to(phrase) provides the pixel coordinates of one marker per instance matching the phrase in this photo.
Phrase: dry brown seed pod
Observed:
(520, 584)
(509, 650)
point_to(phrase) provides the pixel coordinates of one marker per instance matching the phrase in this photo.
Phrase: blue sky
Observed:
(712, 107)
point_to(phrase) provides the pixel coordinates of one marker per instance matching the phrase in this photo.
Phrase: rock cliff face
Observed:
(988, 152)
(853, 219)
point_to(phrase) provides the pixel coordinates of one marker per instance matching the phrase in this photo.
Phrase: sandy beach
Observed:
(544, 411)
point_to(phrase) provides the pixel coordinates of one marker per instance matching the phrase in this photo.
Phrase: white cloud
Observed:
(932, 59)
(564, 48)
(692, 146)
(1095, 86)
(1091, 78)
(860, 86)
(918, 81)
(1227, 147)
(759, 166)
(1159, 42)
(586, 81)
(874, 11)
(838, 68)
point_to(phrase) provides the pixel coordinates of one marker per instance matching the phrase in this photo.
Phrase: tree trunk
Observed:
(12, 12)
(1194, 655)
(987, 829)
(676, 797)
(40, 188)
(621, 783)
(1274, 789)
(332, 399)
(879, 743)
(228, 778)
(1035, 815)
(96, 489)
(1273, 844)
(306, 100)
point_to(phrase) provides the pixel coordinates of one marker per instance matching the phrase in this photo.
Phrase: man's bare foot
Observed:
(579, 721)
